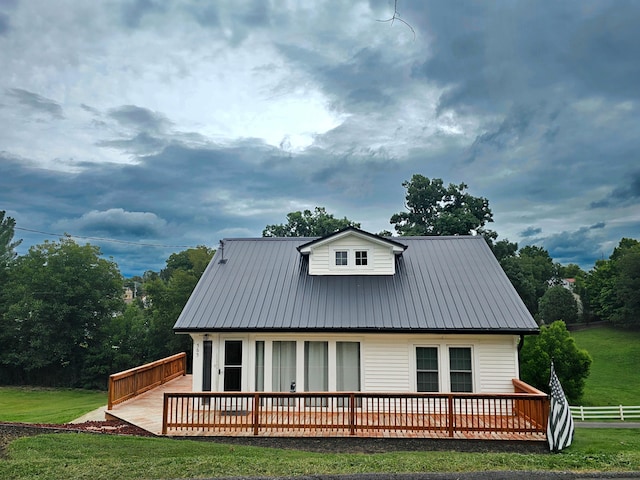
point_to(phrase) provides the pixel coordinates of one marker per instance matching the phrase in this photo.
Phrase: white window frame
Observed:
(414, 356)
(351, 258)
(473, 366)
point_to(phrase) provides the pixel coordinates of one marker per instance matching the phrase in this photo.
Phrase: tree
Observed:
(318, 223)
(531, 272)
(59, 297)
(434, 209)
(558, 303)
(7, 245)
(504, 249)
(168, 293)
(572, 364)
(611, 289)
(521, 281)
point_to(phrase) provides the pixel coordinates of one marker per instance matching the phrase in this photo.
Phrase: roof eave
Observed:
(460, 331)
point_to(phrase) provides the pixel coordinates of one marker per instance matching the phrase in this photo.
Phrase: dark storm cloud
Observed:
(490, 53)
(139, 118)
(365, 79)
(531, 232)
(582, 246)
(36, 102)
(4, 24)
(628, 194)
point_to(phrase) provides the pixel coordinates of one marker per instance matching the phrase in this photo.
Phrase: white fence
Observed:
(619, 412)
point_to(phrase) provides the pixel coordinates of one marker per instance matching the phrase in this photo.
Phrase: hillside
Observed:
(615, 371)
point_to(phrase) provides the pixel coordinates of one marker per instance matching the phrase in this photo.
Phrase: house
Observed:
(355, 312)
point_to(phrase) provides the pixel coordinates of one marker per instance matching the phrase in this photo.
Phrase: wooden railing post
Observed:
(352, 413)
(451, 414)
(165, 413)
(111, 394)
(256, 413)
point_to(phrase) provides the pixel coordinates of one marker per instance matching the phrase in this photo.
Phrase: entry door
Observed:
(207, 359)
(232, 365)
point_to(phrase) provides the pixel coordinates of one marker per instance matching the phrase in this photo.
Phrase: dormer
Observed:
(352, 252)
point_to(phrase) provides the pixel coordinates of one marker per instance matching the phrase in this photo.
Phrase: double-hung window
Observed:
(427, 369)
(361, 258)
(460, 371)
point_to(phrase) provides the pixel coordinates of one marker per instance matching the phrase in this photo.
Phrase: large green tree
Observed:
(59, 297)
(558, 303)
(309, 224)
(611, 288)
(167, 295)
(531, 272)
(436, 209)
(572, 364)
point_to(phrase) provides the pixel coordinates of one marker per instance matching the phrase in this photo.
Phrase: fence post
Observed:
(621, 413)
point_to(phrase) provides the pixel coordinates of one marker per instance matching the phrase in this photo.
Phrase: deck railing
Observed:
(353, 413)
(129, 383)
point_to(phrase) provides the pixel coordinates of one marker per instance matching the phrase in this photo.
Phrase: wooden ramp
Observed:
(145, 410)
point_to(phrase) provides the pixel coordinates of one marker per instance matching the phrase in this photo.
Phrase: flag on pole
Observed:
(560, 425)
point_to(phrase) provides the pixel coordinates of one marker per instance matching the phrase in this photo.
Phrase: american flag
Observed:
(560, 425)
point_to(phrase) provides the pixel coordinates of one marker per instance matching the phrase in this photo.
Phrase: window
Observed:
(348, 366)
(316, 371)
(460, 369)
(283, 369)
(259, 366)
(361, 257)
(341, 257)
(427, 369)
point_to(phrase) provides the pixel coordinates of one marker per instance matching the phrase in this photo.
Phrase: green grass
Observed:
(615, 371)
(89, 456)
(44, 405)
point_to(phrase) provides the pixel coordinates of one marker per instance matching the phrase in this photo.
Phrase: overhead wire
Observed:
(102, 239)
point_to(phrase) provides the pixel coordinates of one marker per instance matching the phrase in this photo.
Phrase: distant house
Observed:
(354, 311)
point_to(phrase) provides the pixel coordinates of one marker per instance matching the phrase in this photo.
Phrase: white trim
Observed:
(474, 387)
(414, 361)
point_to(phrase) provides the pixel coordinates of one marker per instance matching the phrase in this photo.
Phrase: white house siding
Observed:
(387, 361)
(381, 258)
(498, 358)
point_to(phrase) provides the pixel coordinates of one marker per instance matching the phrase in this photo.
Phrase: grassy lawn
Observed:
(615, 372)
(44, 405)
(101, 456)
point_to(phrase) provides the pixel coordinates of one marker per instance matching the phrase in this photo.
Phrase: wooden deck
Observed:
(195, 417)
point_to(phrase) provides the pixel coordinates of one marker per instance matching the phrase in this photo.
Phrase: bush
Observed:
(572, 364)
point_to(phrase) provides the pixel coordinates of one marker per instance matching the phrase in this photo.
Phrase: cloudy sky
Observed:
(164, 125)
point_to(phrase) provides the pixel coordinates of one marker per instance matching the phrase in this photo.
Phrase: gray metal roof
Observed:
(451, 284)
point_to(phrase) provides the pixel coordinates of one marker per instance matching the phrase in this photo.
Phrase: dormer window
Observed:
(341, 257)
(352, 252)
(361, 257)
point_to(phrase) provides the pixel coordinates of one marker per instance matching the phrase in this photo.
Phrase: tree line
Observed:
(63, 320)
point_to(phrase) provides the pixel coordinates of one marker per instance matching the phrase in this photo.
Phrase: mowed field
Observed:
(615, 371)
